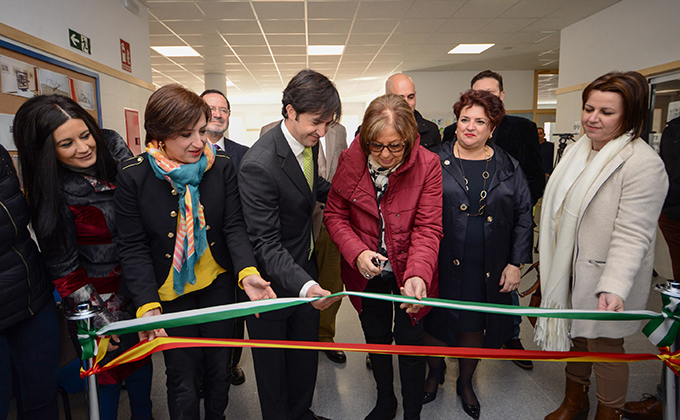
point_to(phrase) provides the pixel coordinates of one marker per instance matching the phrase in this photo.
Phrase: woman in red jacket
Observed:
(384, 214)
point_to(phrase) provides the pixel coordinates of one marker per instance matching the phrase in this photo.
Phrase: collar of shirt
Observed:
(294, 145)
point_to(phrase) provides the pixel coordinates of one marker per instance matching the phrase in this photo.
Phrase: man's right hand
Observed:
(321, 304)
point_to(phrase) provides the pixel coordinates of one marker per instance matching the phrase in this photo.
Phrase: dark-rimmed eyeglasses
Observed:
(392, 147)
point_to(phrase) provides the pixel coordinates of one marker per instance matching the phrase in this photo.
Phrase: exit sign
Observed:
(79, 42)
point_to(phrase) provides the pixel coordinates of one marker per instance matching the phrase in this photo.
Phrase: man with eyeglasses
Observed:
(220, 110)
(219, 123)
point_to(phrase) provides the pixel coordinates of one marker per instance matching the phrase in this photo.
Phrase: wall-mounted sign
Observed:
(125, 56)
(79, 42)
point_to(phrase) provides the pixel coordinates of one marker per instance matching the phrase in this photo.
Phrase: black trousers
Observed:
(376, 321)
(189, 369)
(286, 378)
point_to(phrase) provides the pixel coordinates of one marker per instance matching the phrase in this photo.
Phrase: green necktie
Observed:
(308, 169)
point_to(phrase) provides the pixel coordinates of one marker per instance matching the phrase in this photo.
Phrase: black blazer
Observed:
(278, 206)
(519, 137)
(146, 214)
(235, 151)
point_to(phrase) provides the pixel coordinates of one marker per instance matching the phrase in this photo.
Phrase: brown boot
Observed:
(605, 412)
(575, 402)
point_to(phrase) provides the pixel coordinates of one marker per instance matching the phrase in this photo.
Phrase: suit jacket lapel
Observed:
(291, 167)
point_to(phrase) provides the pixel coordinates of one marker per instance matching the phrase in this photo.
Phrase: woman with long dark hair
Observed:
(69, 171)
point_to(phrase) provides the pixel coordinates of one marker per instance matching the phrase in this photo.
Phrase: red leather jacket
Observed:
(411, 206)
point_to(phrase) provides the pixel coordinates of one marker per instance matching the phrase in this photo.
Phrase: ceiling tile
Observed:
(484, 8)
(551, 24)
(255, 40)
(286, 39)
(283, 26)
(533, 8)
(248, 50)
(157, 28)
(227, 10)
(508, 24)
(327, 39)
(408, 39)
(279, 10)
(369, 39)
(329, 26)
(336, 9)
(186, 27)
(434, 9)
(384, 9)
(464, 25)
(377, 26)
(288, 50)
(237, 26)
(410, 26)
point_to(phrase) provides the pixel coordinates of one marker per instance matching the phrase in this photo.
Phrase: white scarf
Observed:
(563, 197)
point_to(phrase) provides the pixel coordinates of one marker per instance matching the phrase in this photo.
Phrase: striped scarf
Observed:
(190, 243)
(380, 177)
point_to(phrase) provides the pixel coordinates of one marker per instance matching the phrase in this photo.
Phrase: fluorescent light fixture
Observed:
(325, 49)
(184, 51)
(470, 48)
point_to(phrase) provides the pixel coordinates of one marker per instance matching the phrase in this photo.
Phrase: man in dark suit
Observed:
(219, 123)
(519, 137)
(220, 110)
(280, 185)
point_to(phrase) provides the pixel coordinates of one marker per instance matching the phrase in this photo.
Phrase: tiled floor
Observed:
(347, 391)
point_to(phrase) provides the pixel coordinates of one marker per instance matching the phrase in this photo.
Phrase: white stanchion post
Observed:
(83, 314)
(671, 390)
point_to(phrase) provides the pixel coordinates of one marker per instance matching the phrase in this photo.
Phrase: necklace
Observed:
(485, 175)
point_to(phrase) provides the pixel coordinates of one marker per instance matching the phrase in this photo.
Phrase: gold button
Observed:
(489, 219)
(212, 244)
(456, 262)
(173, 192)
(447, 162)
(207, 227)
(488, 275)
(139, 159)
(168, 256)
(463, 207)
(201, 206)
(171, 235)
(173, 213)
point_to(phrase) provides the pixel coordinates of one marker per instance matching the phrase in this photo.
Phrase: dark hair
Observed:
(634, 90)
(33, 129)
(172, 109)
(310, 91)
(388, 111)
(492, 104)
(217, 92)
(488, 74)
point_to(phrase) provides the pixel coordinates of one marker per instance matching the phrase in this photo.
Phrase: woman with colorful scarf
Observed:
(183, 243)
(384, 214)
(69, 169)
(598, 229)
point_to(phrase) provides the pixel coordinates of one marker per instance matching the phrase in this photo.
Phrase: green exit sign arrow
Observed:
(79, 42)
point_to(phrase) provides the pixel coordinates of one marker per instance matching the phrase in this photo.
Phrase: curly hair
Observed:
(388, 110)
(492, 104)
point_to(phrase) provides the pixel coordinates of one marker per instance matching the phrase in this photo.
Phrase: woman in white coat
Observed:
(598, 228)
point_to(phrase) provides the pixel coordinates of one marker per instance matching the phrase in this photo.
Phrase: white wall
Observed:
(105, 22)
(630, 35)
(437, 91)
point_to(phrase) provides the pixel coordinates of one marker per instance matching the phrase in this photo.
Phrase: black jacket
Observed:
(670, 153)
(146, 214)
(235, 151)
(429, 132)
(507, 229)
(24, 285)
(519, 137)
(278, 206)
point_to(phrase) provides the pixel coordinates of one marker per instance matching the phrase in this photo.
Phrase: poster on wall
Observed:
(17, 77)
(6, 138)
(83, 93)
(52, 83)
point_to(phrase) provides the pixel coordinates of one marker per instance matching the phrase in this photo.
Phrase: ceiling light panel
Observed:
(177, 51)
(470, 48)
(325, 49)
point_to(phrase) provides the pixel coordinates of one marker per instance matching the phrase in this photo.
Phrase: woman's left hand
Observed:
(609, 302)
(510, 278)
(257, 288)
(415, 287)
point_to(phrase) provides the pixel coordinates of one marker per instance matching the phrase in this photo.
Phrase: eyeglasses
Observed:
(393, 147)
